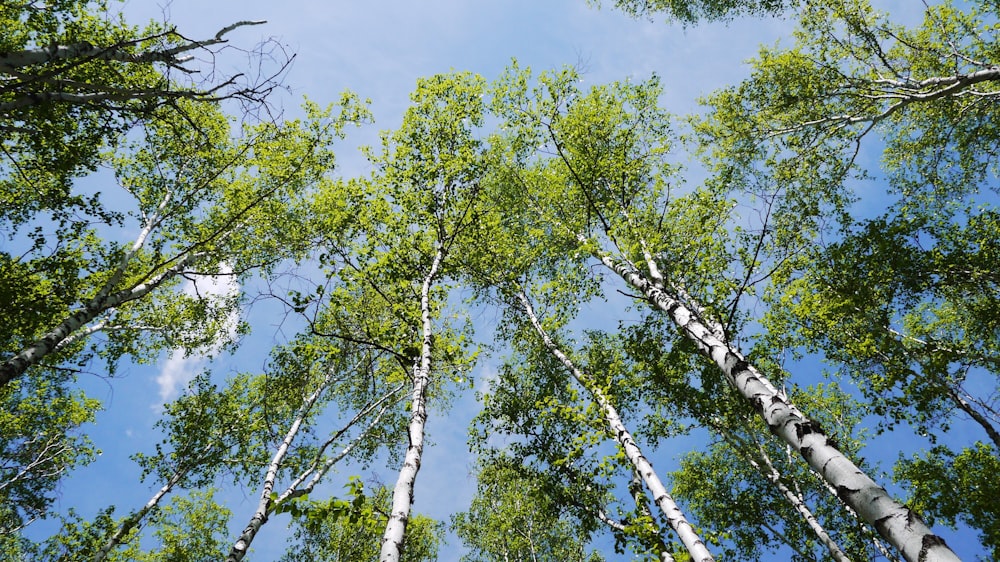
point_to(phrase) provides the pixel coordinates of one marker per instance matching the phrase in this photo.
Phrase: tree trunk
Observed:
(402, 493)
(265, 505)
(640, 463)
(17, 365)
(900, 526)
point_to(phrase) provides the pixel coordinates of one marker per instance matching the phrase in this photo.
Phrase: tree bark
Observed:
(761, 461)
(900, 526)
(265, 505)
(675, 516)
(402, 493)
(17, 365)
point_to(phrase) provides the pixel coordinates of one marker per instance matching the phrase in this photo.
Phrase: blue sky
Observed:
(379, 49)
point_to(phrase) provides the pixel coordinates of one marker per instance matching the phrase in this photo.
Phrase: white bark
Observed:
(900, 526)
(761, 461)
(316, 471)
(12, 61)
(675, 516)
(17, 365)
(265, 505)
(136, 518)
(402, 493)
(635, 486)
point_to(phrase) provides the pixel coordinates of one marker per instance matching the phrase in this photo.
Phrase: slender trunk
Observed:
(635, 486)
(120, 52)
(265, 505)
(136, 518)
(899, 525)
(979, 418)
(762, 462)
(666, 503)
(31, 355)
(950, 389)
(316, 470)
(402, 493)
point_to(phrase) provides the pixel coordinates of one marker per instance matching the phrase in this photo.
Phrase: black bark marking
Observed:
(928, 543)
(844, 493)
(807, 427)
(758, 404)
(913, 517)
(881, 524)
(807, 453)
(740, 366)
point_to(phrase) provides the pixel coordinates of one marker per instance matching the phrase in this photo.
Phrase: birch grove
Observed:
(788, 298)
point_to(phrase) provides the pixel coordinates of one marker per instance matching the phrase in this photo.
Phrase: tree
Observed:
(338, 531)
(513, 517)
(640, 465)
(607, 169)
(190, 529)
(195, 188)
(749, 490)
(425, 196)
(692, 12)
(316, 378)
(896, 303)
(75, 77)
(39, 443)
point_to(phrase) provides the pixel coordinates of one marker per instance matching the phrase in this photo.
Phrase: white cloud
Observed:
(485, 378)
(179, 369)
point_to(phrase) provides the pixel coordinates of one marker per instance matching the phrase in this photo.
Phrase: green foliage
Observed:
(515, 517)
(956, 487)
(40, 441)
(694, 11)
(338, 530)
(189, 529)
(732, 490)
(903, 306)
(854, 73)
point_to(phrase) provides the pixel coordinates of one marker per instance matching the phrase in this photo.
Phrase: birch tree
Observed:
(513, 517)
(343, 402)
(414, 212)
(640, 464)
(896, 303)
(195, 188)
(748, 489)
(75, 76)
(346, 532)
(689, 13)
(608, 158)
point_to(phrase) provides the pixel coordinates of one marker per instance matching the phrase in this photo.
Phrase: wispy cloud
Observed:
(179, 368)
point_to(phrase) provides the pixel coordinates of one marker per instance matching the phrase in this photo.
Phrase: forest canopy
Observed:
(766, 327)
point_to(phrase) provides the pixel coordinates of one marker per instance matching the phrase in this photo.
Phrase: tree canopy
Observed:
(795, 287)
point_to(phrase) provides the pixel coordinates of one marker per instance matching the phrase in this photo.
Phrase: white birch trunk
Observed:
(635, 486)
(265, 506)
(17, 365)
(675, 516)
(136, 518)
(316, 471)
(119, 52)
(761, 461)
(402, 493)
(900, 526)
